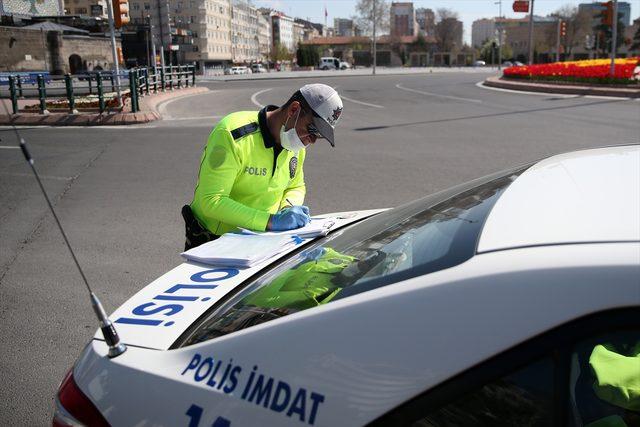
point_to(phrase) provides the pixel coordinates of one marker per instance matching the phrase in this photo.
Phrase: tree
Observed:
(636, 40)
(280, 53)
(448, 29)
(308, 55)
(578, 26)
(490, 47)
(605, 34)
(420, 45)
(364, 10)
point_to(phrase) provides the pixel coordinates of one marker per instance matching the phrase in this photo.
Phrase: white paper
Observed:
(241, 250)
(316, 227)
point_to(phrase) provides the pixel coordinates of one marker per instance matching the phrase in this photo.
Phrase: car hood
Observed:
(161, 311)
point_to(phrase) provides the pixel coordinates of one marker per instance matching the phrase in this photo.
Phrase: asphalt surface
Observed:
(118, 192)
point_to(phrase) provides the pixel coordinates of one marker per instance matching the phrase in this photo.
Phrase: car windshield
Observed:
(427, 235)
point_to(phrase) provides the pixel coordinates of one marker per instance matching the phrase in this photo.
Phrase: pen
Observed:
(289, 201)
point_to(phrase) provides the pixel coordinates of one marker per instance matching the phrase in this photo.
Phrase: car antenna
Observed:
(116, 348)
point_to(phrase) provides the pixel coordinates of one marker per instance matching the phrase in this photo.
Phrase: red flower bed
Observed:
(588, 70)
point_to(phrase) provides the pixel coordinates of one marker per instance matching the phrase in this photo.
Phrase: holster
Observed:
(195, 233)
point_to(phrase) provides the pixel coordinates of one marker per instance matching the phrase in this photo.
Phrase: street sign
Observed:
(174, 47)
(521, 6)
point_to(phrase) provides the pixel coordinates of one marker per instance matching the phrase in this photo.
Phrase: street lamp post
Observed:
(114, 52)
(558, 40)
(499, 31)
(374, 37)
(531, 34)
(614, 37)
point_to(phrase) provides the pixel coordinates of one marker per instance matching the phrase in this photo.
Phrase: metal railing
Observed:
(141, 82)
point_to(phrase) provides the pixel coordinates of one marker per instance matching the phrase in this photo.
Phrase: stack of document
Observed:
(242, 250)
(316, 227)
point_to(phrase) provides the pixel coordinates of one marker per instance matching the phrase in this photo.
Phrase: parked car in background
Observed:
(258, 68)
(241, 69)
(518, 64)
(479, 64)
(345, 65)
(507, 64)
(329, 63)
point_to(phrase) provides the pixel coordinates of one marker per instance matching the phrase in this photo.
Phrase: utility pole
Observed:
(531, 34)
(114, 52)
(153, 43)
(558, 41)
(614, 37)
(146, 38)
(374, 37)
(499, 30)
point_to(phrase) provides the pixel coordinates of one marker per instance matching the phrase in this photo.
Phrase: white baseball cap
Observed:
(327, 108)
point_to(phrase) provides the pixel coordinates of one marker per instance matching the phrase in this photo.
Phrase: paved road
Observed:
(118, 191)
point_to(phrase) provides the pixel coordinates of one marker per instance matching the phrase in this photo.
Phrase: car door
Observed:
(582, 374)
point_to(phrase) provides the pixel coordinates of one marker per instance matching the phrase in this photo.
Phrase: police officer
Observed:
(251, 172)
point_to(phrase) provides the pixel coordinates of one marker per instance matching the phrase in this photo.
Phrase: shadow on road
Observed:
(482, 116)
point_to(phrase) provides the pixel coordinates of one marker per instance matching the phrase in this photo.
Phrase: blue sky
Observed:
(469, 10)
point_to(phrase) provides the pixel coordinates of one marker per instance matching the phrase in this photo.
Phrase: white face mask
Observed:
(289, 139)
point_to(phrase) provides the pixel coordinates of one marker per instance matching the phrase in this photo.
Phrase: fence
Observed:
(142, 81)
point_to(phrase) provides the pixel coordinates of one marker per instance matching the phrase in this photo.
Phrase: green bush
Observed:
(308, 56)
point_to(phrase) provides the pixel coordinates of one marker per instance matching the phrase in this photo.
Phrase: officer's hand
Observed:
(289, 218)
(305, 209)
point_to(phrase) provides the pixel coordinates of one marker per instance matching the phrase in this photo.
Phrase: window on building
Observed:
(147, 6)
(136, 6)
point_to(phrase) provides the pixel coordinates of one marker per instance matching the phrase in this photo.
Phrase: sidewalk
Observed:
(148, 112)
(383, 71)
(565, 89)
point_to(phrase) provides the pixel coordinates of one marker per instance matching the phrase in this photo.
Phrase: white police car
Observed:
(479, 305)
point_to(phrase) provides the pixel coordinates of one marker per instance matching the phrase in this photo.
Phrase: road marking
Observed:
(9, 148)
(162, 107)
(254, 97)
(57, 178)
(457, 98)
(360, 102)
(178, 119)
(557, 95)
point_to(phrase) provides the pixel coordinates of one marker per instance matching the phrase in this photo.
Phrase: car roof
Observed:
(579, 197)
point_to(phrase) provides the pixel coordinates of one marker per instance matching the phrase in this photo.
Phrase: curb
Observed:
(62, 119)
(333, 74)
(148, 104)
(561, 89)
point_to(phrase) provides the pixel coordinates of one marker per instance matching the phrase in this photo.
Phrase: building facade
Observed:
(426, 21)
(27, 8)
(245, 41)
(93, 8)
(403, 19)
(310, 30)
(283, 34)
(595, 8)
(481, 31)
(343, 27)
(264, 37)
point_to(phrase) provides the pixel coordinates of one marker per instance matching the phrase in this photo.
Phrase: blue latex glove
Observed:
(290, 218)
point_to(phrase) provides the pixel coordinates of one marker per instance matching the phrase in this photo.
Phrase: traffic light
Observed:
(120, 55)
(563, 28)
(607, 13)
(120, 12)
